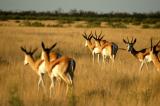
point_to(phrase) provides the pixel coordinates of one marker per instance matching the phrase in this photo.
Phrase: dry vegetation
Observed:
(117, 84)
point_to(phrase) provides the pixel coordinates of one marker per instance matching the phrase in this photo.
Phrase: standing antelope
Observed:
(88, 43)
(62, 68)
(141, 55)
(37, 65)
(154, 56)
(106, 48)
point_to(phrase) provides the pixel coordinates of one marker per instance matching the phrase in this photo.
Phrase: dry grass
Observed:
(117, 84)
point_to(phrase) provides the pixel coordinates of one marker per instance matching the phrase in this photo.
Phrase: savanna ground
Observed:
(118, 84)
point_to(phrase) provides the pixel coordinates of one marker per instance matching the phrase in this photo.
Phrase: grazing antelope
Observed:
(154, 56)
(106, 48)
(37, 65)
(62, 68)
(141, 55)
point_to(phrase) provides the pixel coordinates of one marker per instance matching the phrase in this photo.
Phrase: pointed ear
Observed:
(53, 46)
(125, 41)
(134, 41)
(42, 44)
(24, 50)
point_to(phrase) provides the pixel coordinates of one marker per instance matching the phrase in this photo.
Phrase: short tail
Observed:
(114, 49)
(72, 66)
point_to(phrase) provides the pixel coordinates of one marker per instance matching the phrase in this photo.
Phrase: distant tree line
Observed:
(75, 14)
(114, 19)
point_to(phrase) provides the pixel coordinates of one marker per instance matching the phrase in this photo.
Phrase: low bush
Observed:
(117, 25)
(32, 24)
(146, 26)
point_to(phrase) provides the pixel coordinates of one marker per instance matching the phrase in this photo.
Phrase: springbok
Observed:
(88, 43)
(154, 56)
(141, 55)
(106, 48)
(62, 68)
(37, 65)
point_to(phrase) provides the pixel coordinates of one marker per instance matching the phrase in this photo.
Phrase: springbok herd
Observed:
(61, 68)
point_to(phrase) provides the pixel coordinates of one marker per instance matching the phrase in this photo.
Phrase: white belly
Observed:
(96, 50)
(55, 71)
(148, 58)
(105, 52)
(42, 68)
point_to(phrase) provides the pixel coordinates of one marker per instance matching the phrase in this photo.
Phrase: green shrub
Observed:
(146, 26)
(157, 25)
(94, 24)
(117, 25)
(80, 26)
(32, 24)
(14, 99)
(57, 25)
(26, 23)
(68, 21)
(37, 24)
(136, 23)
(17, 21)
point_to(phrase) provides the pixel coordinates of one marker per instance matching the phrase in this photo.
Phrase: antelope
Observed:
(37, 65)
(62, 68)
(154, 56)
(141, 55)
(88, 43)
(106, 48)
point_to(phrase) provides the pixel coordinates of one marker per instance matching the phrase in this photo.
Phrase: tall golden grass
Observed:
(118, 84)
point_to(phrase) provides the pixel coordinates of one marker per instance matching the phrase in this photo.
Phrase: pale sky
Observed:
(104, 6)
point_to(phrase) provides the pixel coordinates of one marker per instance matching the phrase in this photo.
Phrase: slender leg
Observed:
(98, 58)
(112, 58)
(146, 65)
(67, 80)
(51, 86)
(141, 66)
(93, 56)
(70, 79)
(40, 79)
(43, 85)
(59, 83)
(103, 56)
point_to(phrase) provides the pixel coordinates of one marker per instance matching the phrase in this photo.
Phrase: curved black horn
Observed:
(53, 46)
(43, 46)
(23, 49)
(132, 40)
(100, 33)
(158, 43)
(34, 50)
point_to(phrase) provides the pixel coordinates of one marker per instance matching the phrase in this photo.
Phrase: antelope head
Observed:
(153, 48)
(28, 54)
(98, 38)
(130, 45)
(87, 38)
(46, 50)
